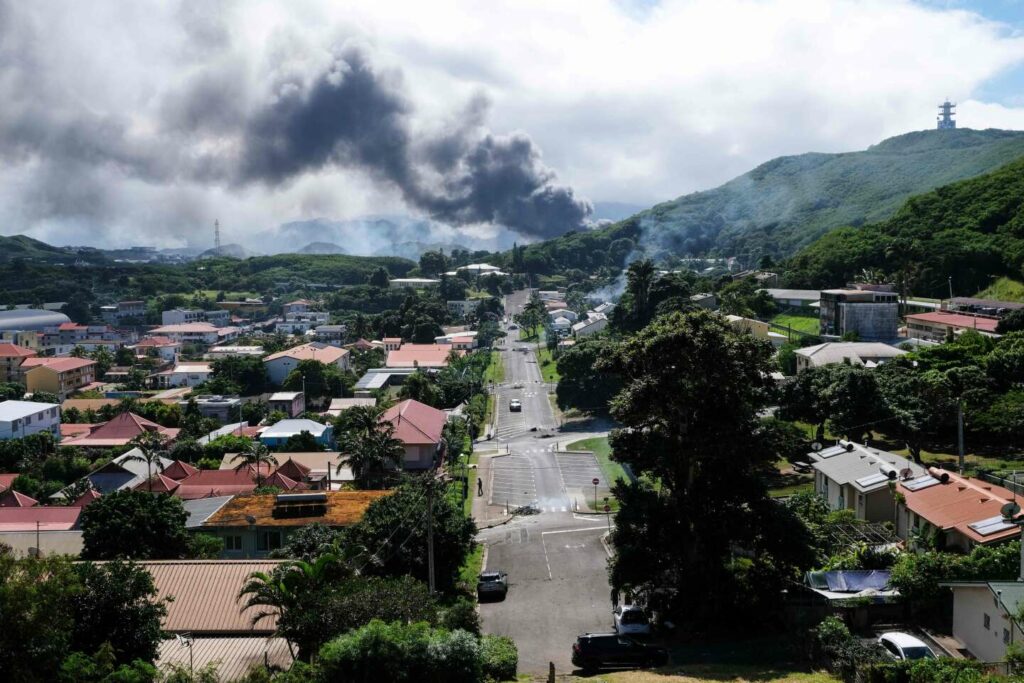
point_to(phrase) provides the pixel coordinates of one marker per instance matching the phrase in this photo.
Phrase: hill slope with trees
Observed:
(972, 231)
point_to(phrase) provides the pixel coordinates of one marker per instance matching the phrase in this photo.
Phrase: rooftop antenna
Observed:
(216, 234)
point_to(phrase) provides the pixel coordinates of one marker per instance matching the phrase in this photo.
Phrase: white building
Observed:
(413, 282)
(184, 375)
(182, 316)
(22, 418)
(561, 326)
(197, 333)
(302, 322)
(868, 354)
(216, 352)
(280, 364)
(460, 309)
(563, 313)
(592, 325)
(985, 616)
(853, 477)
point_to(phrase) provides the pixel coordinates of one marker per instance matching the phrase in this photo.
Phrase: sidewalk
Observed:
(486, 515)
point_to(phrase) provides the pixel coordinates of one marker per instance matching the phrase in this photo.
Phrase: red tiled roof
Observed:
(72, 430)
(361, 344)
(960, 502)
(324, 354)
(57, 364)
(12, 499)
(178, 470)
(119, 431)
(56, 518)
(14, 351)
(86, 498)
(158, 484)
(960, 320)
(415, 422)
(6, 480)
(293, 470)
(210, 483)
(422, 355)
(155, 342)
(71, 326)
(281, 481)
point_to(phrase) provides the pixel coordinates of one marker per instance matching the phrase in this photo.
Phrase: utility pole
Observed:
(960, 433)
(430, 536)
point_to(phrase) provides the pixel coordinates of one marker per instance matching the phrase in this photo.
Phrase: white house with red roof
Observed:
(280, 364)
(164, 348)
(421, 355)
(419, 427)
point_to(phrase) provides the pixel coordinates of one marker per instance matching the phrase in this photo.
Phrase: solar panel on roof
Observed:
(921, 483)
(987, 527)
(872, 479)
(831, 451)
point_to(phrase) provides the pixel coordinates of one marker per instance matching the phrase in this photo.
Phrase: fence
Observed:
(1015, 486)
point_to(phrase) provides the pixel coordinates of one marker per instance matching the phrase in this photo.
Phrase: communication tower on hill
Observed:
(216, 234)
(946, 114)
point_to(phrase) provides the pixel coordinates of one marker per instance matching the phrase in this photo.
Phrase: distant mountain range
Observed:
(788, 202)
(322, 248)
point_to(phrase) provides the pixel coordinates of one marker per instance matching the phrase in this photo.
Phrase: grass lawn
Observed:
(698, 673)
(800, 323)
(527, 336)
(548, 367)
(228, 296)
(472, 566)
(1003, 289)
(467, 505)
(495, 372)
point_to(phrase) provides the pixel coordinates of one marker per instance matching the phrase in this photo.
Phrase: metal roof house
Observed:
(854, 477)
(984, 616)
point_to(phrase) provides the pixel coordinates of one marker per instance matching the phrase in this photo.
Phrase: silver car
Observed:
(492, 585)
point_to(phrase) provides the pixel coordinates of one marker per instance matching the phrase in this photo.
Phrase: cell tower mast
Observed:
(946, 114)
(216, 234)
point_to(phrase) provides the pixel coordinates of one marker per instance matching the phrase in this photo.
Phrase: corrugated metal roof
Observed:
(233, 656)
(200, 509)
(205, 595)
(857, 466)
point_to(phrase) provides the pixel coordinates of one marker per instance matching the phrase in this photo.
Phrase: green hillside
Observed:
(972, 231)
(789, 202)
(21, 246)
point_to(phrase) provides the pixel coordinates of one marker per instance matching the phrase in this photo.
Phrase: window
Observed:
(233, 543)
(1006, 636)
(987, 622)
(268, 540)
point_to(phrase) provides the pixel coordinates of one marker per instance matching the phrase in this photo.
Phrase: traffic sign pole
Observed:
(596, 482)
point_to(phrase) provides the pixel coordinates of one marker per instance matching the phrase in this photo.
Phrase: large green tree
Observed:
(692, 392)
(134, 525)
(580, 385)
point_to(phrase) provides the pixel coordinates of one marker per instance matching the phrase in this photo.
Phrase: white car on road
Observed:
(631, 620)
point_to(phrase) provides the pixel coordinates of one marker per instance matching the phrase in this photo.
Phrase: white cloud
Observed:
(626, 105)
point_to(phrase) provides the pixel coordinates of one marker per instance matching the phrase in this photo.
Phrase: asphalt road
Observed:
(556, 560)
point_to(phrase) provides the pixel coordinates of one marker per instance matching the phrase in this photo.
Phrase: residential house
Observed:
(985, 616)
(592, 325)
(756, 328)
(183, 374)
(205, 623)
(938, 326)
(291, 403)
(459, 341)
(704, 300)
(420, 355)
(123, 472)
(278, 433)
(280, 364)
(119, 432)
(320, 470)
(563, 313)
(164, 348)
(215, 352)
(181, 316)
(15, 499)
(199, 333)
(36, 530)
(868, 354)
(961, 511)
(198, 484)
(253, 526)
(331, 334)
(122, 311)
(377, 379)
(19, 419)
(11, 357)
(338, 405)
(301, 323)
(480, 269)
(854, 477)
(869, 311)
(419, 428)
(463, 307)
(222, 408)
(561, 326)
(61, 376)
(297, 306)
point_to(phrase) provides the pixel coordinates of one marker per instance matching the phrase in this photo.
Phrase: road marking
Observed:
(573, 531)
(546, 560)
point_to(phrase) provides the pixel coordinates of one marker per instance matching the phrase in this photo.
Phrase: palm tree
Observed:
(256, 455)
(152, 447)
(639, 279)
(292, 589)
(370, 444)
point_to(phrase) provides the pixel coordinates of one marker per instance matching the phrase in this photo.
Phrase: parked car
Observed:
(492, 585)
(593, 651)
(905, 646)
(515, 405)
(631, 620)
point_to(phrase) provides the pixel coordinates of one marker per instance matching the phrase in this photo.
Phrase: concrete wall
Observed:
(872, 322)
(50, 542)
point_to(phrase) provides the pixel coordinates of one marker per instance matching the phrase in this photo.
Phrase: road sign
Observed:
(607, 508)
(596, 481)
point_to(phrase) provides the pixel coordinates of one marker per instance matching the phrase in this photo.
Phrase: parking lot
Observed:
(579, 470)
(514, 481)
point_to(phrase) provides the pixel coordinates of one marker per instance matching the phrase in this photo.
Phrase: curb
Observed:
(496, 524)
